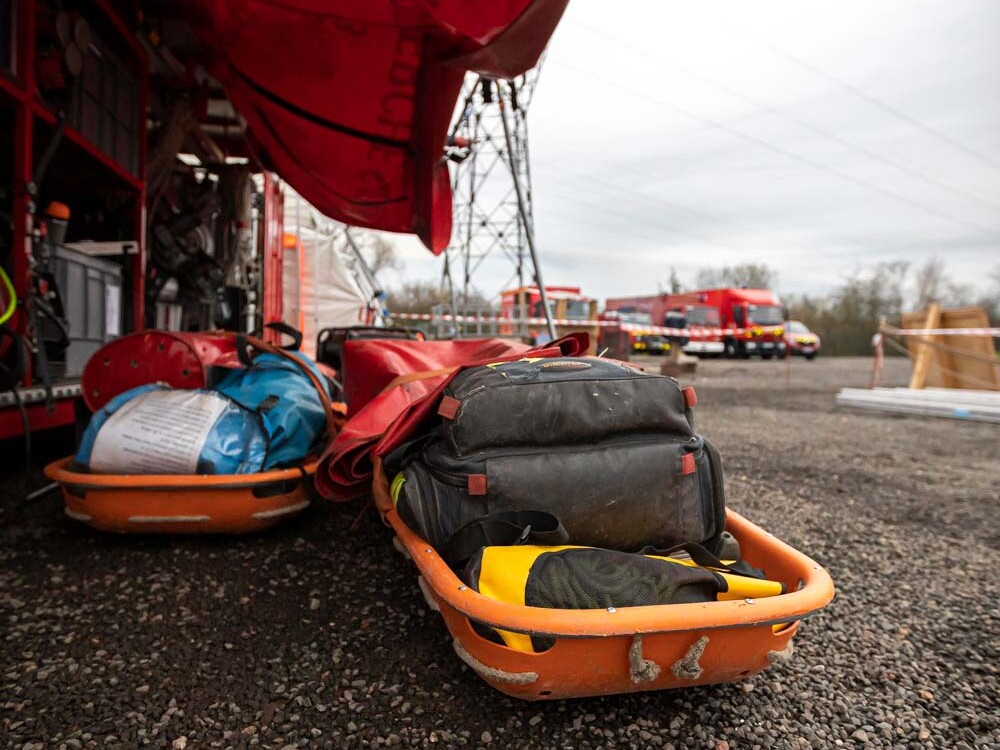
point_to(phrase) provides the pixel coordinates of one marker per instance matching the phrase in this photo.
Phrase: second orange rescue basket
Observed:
(601, 652)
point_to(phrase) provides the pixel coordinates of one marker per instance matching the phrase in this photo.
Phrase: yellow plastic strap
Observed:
(11, 297)
(396, 486)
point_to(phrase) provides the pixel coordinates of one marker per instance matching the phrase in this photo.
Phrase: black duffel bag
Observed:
(580, 450)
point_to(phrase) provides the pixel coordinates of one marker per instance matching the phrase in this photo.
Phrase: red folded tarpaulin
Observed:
(369, 366)
(384, 421)
(350, 101)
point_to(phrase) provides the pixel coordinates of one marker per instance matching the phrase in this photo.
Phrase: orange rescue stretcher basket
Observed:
(193, 504)
(183, 504)
(603, 652)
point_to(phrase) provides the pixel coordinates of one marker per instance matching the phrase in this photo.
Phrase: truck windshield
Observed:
(638, 318)
(765, 315)
(703, 316)
(577, 310)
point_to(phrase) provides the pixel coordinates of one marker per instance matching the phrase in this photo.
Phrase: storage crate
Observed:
(105, 105)
(91, 290)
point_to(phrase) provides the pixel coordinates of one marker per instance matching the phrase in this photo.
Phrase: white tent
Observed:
(323, 283)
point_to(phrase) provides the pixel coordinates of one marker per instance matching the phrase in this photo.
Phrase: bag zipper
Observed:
(461, 480)
(626, 374)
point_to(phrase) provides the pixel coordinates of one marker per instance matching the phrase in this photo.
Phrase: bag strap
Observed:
(245, 342)
(410, 377)
(504, 528)
(718, 491)
(288, 330)
(706, 559)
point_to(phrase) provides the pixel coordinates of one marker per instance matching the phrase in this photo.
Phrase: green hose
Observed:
(11, 297)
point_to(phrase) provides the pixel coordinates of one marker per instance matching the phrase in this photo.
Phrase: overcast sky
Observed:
(816, 137)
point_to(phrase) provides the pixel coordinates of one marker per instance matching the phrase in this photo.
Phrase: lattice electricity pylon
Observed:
(489, 141)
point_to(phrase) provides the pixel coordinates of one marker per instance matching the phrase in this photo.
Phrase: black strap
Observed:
(718, 492)
(394, 460)
(706, 559)
(243, 350)
(286, 329)
(505, 528)
(41, 354)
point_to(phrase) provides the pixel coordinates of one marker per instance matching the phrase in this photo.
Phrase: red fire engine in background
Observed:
(754, 317)
(757, 312)
(566, 302)
(642, 340)
(677, 311)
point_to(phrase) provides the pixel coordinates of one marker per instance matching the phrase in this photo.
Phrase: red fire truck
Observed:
(641, 340)
(566, 303)
(678, 311)
(757, 313)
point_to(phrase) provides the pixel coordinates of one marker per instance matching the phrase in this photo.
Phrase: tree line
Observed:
(846, 317)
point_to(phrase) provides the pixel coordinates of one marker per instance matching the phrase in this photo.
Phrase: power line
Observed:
(604, 208)
(875, 102)
(693, 212)
(840, 239)
(875, 156)
(777, 149)
(597, 220)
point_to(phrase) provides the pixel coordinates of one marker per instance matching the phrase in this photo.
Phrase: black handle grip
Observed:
(288, 330)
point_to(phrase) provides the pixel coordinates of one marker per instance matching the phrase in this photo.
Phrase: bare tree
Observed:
(708, 278)
(847, 318)
(750, 275)
(673, 286)
(990, 301)
(933, 284)
(383, 256)
(929, 280)
(416, 296)
(675, 282)
(421, 295)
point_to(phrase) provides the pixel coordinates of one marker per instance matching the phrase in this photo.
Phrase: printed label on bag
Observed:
(160, 432)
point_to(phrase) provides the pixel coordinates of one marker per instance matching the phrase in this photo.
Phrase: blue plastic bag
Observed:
(154, 429)
(287, 401)
(268, 415)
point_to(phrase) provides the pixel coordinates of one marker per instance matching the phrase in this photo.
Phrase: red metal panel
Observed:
(181, 360)
(23, 149)
(138, 261)
(10, 88)
(27, 108)
(63, 414)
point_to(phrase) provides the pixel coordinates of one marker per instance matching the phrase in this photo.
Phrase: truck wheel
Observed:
(768, 355)
(730, 350)
(811, 357)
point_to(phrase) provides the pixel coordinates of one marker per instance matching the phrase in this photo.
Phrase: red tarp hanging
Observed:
(350, 101)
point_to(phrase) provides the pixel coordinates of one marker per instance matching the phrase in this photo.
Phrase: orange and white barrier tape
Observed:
(995, 332)
(691, 333)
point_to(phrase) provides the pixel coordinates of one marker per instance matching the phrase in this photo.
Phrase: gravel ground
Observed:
(316, 636)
